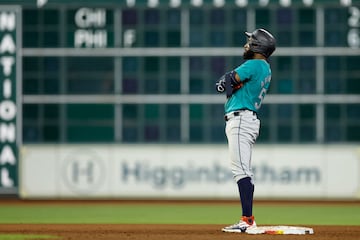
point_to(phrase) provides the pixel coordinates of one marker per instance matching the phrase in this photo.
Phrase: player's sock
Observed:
(246, 190)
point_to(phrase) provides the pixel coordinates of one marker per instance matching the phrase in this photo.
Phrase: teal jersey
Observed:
(256, 74)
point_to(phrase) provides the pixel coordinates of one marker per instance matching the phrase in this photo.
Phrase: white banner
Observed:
(186, 171)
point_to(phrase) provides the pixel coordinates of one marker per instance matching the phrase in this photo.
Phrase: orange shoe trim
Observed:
(248, 220)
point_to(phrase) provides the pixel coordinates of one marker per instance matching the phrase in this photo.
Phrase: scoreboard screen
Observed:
(143, 71)
(192, 23)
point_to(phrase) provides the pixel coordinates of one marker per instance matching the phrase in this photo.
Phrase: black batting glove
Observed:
(220, 85)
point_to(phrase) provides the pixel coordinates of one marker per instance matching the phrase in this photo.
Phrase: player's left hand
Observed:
(237, 87)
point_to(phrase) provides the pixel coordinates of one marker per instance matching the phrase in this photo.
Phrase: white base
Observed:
(280, 230)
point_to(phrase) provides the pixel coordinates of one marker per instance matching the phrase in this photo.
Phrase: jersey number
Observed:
(261, 97)
(265, 86)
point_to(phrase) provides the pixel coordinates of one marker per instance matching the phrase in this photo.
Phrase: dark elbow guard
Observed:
(232, 76)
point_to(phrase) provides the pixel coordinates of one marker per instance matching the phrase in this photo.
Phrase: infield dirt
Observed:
(167, 232)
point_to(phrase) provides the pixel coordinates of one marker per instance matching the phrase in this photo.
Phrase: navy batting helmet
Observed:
(261, 41)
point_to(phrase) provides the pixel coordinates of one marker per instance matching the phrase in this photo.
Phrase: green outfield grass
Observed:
(176, 213)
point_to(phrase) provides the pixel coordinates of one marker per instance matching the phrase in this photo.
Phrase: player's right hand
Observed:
(220, 85)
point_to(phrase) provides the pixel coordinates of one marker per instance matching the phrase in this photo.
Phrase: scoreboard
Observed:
(93, 27)
(143, 71)
(211, 23)
(175, 23)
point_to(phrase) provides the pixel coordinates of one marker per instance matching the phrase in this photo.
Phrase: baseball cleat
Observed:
(241, 226)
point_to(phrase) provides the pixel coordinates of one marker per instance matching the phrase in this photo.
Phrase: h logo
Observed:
(83, 171)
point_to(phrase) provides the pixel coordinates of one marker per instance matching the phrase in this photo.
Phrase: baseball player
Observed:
(245, 88)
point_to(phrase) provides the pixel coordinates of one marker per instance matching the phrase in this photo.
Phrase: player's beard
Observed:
(248, 55)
